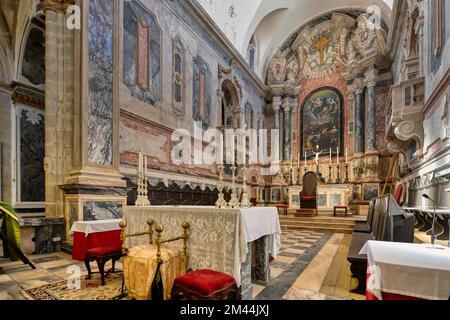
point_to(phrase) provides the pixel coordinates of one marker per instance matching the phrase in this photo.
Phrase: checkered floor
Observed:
(297, 250)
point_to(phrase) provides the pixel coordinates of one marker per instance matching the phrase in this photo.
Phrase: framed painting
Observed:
(322, 121)
(371, 190)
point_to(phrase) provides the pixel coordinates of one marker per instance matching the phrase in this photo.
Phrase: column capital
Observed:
(55, 5)
(359, 86)
(276, 103)
(371, 77)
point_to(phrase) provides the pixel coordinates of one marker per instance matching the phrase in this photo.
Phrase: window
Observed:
(30, 152)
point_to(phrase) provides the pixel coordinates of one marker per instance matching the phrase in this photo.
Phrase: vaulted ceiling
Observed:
(273, 22)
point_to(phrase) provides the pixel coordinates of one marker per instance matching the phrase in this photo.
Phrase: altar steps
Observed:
(337, 225)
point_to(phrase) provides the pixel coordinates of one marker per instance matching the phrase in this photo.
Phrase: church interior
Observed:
(224, 150)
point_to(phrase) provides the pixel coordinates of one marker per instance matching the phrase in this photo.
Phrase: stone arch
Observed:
(230, 102)
(31, 58)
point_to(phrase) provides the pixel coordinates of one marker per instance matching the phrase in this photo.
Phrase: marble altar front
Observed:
(328, 196)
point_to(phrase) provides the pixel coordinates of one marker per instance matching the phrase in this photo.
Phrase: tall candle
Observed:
(145, 168)
(140, 163)
(346, 155)
(298, 160)
(330, 157)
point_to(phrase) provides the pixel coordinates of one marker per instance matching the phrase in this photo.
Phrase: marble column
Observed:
(287, 131)
(276, 109)
(359, 120)
(371, 130)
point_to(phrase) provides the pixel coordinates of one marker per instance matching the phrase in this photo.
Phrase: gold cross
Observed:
(321, 45)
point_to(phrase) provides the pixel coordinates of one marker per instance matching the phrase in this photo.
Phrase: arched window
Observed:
(33, 59)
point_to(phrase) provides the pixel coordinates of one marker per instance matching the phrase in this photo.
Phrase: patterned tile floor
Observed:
(311, 265)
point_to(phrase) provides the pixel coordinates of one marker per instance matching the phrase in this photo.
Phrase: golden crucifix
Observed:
(321, 45)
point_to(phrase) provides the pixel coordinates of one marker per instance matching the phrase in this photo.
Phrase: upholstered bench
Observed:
(205, 285)
(102, 255)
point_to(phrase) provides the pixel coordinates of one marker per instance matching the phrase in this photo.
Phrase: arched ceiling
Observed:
(273, 22)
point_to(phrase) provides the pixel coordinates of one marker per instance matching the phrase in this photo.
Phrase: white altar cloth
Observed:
(88, 227)
(413, 270)
(260, 222)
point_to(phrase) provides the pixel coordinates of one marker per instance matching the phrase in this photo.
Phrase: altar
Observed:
(328, 196)
(219, 239)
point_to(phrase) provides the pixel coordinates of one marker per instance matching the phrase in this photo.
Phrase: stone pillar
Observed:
(276, 109)
(287, 131)
(261, 269)
(359, 119)
(59, 93)
(95, 181)
(371, 130)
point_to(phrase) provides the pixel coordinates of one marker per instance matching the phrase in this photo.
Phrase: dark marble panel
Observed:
(102, 210)
(33, 63)
(73, 213)
(46, 234)
(200, 66)
(135, 13)
(261, 272)
(32, 151)
(246, 276)
(100, 124)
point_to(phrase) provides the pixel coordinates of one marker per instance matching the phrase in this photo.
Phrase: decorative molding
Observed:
(196, 18)
(56, 5)
(27, 95)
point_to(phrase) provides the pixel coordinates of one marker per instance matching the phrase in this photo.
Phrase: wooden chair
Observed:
(308, 196)
(102, 255)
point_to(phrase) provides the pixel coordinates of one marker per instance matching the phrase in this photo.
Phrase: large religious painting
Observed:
(322, 120)
(141, 52)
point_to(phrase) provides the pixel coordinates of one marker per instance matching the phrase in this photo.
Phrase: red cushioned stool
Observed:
(205, 285)
(102, 255)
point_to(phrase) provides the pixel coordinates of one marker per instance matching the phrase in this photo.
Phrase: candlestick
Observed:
(145, 168)
(346, 181)
(299, 178)
(330, 180)
(338, 174)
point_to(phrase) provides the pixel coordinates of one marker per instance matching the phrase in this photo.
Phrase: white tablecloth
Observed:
(88, 227)
(413, 270)
(218, 237)
(260, 222)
